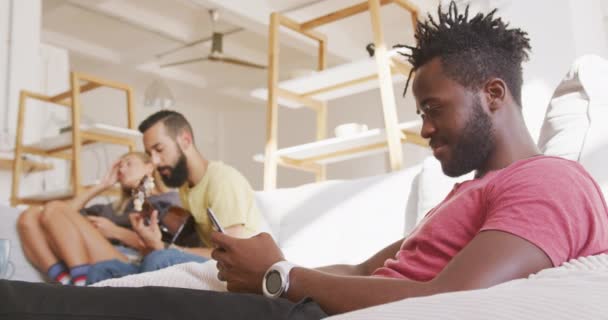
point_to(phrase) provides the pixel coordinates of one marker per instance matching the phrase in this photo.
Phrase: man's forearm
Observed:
(339, 294)
(367, 267)
(344, 270)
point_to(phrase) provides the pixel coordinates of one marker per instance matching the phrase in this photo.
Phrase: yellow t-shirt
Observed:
(228, 194)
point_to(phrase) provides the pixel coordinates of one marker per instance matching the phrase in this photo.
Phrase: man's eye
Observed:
(432, 111)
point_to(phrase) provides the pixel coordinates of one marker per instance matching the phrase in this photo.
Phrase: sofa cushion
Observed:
(24, 271)
(338, 221)
(574, 125)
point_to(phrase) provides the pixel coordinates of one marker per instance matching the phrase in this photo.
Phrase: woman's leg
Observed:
(34, 241)
(161, 259)
(109, 270)
(76, 240)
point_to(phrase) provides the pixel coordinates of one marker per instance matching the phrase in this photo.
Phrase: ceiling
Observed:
(143, 34)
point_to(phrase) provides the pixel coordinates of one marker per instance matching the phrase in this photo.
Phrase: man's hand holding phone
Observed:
(243, 262)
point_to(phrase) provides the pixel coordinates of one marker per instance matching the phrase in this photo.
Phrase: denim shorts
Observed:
(155, 260)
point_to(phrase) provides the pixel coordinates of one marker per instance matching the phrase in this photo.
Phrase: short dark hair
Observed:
(174, 122)
(471, 50)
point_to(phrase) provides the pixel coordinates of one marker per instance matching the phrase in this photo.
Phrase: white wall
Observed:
(232, 129)
(20, 39)
(26, 65)
(560, 31)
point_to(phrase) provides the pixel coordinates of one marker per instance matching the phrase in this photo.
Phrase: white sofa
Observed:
(316, 224)
(347, 221)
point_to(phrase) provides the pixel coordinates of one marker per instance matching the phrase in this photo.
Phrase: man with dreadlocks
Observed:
(523, 212)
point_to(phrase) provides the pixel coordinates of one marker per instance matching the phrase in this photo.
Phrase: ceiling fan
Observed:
(217, 54)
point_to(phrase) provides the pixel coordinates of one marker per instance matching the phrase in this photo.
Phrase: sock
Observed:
(59, 273)
(79, 275)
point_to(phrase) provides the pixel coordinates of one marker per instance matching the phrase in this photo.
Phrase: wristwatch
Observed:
(276, 279)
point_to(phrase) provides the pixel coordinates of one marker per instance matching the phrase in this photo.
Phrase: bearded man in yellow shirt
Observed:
(169, 140)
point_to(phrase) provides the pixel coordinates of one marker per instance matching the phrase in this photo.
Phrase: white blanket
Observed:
(576, 290)
(191, 275)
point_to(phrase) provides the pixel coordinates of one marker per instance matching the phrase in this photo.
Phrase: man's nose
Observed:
(155, 160)
(428, 128)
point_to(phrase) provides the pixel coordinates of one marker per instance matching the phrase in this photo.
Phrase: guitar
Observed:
(177, 225)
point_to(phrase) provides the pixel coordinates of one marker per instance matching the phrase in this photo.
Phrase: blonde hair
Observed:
(125, 195)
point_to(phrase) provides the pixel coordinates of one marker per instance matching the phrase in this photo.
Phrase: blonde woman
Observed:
(63, 238)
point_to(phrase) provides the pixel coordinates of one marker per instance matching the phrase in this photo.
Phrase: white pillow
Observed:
(575, 123)
(434, 185)
(24, 271)
(338, 221)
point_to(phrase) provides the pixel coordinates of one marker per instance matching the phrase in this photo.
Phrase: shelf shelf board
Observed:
(6, 164)
(91, 133)
(335, 82)
(345, 148)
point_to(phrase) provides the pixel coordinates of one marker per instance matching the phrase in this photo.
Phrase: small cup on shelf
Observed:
(349, 129)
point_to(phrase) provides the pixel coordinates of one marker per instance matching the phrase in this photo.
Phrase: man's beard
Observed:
(178, 174)
(473, 148)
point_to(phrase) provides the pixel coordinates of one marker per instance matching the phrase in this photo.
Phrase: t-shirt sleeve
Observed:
(102, 210)
(107, 211)
(230, 197)
(545, 204)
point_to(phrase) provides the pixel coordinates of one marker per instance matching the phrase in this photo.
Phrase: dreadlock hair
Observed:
(174, 122)
(471, 50)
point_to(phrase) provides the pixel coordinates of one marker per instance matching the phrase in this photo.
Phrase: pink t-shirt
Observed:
(551, 202)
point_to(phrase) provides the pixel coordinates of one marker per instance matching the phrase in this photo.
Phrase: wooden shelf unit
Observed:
(6, 164)
(333, 83)
(70, 144)
(338, 149)
(315, 91)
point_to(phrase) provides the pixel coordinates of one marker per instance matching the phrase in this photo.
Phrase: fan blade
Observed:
(238, 62)
(177, 63)
(193, 43)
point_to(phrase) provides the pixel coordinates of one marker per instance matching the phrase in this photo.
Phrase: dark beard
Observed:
(178, 174)
(475, 145)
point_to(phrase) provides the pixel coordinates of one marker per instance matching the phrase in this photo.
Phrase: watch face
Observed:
(273, 282)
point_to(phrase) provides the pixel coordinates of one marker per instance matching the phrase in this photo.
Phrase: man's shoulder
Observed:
(219, 171)
(541, 165)
(548, 171)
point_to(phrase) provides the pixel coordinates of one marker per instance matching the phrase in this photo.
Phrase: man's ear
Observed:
(184, 139)
(496, 92)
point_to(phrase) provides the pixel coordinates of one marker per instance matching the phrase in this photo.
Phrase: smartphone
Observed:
(216, 224)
